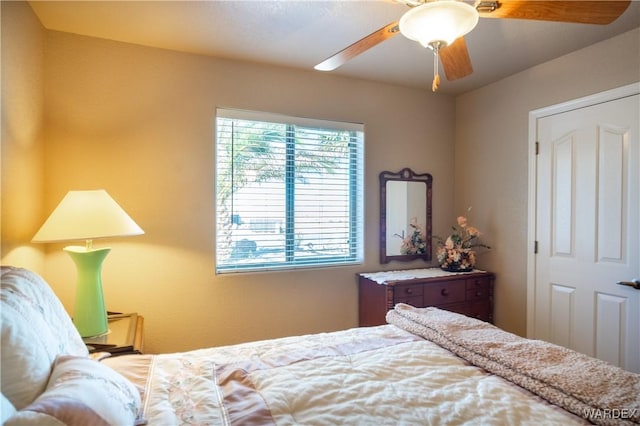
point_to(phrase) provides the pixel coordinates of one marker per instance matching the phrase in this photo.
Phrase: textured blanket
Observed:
(588, 387)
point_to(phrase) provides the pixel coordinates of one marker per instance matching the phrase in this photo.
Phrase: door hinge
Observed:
(535, 247)
(537, 148)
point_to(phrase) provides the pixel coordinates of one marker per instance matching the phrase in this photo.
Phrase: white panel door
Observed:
(588, 232)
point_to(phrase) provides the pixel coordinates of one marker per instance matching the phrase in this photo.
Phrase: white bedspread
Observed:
(366, 376)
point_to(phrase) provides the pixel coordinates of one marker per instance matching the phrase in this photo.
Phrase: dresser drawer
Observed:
(445, 292)
(478, 283)
(477, 294)
(409, 294)
(401, 291)
(416, 301)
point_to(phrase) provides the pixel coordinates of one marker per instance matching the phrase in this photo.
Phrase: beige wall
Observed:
(139, 123)
(491, 153)
(21, 164)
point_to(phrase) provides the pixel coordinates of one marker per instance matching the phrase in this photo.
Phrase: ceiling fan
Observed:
(441, 25)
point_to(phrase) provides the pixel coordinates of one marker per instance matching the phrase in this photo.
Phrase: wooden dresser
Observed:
(468, 293)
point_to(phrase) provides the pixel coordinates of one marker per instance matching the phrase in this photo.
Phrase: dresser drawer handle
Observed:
(479, 294)
(409, 291)
(444, 292)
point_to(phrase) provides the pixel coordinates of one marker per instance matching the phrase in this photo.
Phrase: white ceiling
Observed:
(301, 34)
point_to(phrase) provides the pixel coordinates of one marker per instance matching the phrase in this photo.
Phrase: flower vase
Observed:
(454, 268)
(456, 260)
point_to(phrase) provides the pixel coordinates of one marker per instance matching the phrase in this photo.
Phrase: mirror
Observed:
(405, 216)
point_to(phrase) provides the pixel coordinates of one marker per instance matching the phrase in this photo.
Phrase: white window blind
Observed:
(289, 192)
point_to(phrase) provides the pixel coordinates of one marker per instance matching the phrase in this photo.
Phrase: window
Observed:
(288, 192)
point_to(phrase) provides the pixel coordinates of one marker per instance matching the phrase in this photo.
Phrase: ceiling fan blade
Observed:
(358, 47)
(584, 12)
(455, 60)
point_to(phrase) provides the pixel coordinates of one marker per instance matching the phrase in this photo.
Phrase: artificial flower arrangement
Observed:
(415, 242)
(456, 251)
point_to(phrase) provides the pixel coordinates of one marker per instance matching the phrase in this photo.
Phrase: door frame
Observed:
(534, 116)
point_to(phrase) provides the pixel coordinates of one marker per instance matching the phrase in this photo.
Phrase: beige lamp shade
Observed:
(86, 215)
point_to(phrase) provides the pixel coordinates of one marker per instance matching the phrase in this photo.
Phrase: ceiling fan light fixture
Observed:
(438, 22)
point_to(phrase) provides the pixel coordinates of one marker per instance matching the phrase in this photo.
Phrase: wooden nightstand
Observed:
(125, 336)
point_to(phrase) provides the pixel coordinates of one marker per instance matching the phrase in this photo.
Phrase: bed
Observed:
(426, 367)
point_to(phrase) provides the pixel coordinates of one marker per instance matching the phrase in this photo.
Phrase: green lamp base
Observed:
(90, 314)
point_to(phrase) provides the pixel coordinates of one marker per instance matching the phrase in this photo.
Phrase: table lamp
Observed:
(87, 215)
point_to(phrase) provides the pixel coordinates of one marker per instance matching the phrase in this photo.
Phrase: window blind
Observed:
(289, 192)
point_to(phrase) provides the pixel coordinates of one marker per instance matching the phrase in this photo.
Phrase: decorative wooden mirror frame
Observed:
(391, 191)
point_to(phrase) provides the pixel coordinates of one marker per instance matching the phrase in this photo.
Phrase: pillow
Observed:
(6, 409)
(82, 391)
(35, 330)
